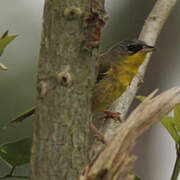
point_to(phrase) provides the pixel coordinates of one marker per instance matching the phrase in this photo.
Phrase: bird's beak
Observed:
(148, 49)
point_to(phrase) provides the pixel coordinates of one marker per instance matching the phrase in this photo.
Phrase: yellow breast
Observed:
(117, 79)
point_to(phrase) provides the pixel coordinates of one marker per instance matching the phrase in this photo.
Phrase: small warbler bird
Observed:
(117, 67)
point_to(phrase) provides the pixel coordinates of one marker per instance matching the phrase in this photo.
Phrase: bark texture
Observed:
(66, 76)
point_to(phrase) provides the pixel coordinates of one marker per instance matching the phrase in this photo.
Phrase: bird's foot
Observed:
(110, 114)
(98, 134)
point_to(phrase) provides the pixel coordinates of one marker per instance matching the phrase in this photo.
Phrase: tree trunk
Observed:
(65, 79)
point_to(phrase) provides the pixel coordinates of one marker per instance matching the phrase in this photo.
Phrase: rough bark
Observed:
(66, 76)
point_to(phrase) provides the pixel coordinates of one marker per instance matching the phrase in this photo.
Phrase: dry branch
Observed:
(113, 161)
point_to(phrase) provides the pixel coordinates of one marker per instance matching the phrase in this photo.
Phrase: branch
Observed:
(124, 140)
(149, 34)
(114, 162)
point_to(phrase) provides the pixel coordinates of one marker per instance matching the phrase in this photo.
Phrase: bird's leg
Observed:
(110, 114)
(98, 135)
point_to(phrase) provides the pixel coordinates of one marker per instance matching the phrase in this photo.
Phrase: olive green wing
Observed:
(103, 66)
(112, 56)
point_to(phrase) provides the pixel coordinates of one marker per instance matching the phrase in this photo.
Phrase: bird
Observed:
(116, 69)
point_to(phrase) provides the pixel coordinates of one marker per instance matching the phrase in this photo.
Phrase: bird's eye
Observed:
(134, 48)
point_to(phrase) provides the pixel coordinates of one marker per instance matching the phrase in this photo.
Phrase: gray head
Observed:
(131, 47)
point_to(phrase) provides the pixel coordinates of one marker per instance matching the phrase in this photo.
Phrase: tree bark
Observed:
(66, 76)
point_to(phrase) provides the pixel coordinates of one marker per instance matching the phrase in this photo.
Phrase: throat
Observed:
(132, 63)
(126, 70)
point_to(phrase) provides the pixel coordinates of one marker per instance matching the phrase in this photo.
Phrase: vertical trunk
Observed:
(66, 76)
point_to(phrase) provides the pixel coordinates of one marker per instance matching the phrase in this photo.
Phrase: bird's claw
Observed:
(110, 114)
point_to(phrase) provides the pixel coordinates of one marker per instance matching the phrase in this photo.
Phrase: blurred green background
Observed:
(155, 149)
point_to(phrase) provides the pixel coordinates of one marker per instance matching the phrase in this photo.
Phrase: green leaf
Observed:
(177, 117)
(137, 178)
(141, 98)
(16, 153)
(169, 124)
(5, 40)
